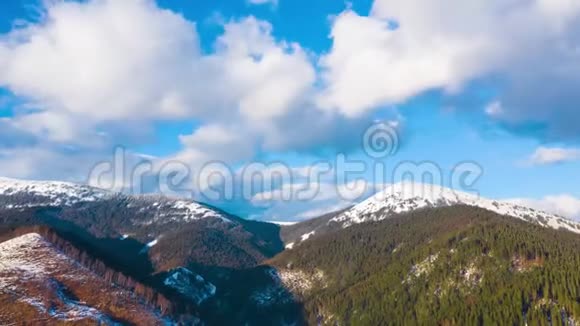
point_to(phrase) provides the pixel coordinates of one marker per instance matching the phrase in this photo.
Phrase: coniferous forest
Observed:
(449, 266)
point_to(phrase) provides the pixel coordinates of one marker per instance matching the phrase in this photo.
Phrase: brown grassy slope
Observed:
(39, 284)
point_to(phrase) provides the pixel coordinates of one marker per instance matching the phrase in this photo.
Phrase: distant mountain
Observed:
(407, 197)
(204, 260)
(451, 265)
(172, 231)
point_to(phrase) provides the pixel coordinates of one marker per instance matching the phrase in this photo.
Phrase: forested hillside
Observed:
(450, 266)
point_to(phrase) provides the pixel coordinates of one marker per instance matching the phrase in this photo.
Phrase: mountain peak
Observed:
(407, 196)
(55, 193)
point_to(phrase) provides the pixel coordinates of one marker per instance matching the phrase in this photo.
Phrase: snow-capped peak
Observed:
(55, 193)
(408, 196)
(16, 194)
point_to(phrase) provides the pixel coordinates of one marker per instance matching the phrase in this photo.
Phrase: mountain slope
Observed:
(203, 260)
(295, 233)
(407, 197)
(153, 221)
(39, 283)
(451, 266)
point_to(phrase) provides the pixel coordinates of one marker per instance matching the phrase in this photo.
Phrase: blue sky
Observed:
(295, 82)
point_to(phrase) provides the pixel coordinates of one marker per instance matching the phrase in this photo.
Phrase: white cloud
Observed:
(48, 163)
(553, 155)
(319, 211)
(104, 59)
(565, 205)
(301, 200)
(92, 69)
(316, 191)
(370, 64)
(267, 77)
(215, 143)
(404, 48)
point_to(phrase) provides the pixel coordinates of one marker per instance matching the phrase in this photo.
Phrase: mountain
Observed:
(164, 227)
(406, 197)
(40, 284)
(204, 261)
(412, 254)
(448, 265)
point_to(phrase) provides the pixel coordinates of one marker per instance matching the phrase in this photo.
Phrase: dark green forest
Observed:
(449, 266)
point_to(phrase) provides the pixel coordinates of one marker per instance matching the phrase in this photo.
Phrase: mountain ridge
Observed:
(404, 197)
(155, 221)
(227, 270)
(407, 196)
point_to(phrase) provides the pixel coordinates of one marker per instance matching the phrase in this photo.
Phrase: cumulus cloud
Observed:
(111, 60)
(104, 59)
(265, 77)
(216, 142)
(374, 63)
(404, 48)
(554, 155)
(84, 68)
(565, 205)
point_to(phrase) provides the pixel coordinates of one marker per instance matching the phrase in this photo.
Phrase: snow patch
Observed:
(76, 311)
(191, 285)
(152, 243)
(299, 281)
(305, 236)
(423, 268)
(149, 245)
(281, 222)
(472, 275)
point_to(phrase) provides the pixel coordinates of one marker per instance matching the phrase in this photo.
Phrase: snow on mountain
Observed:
(408, 196)
(15, 256)
(51, 193)
(191, 285)
(282, 223)
(33, 273)
(307, 235)
(15, 194)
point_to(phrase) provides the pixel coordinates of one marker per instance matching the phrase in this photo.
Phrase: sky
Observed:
(203, 95)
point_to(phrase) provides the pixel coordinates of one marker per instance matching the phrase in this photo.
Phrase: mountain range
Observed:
(411, 254)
